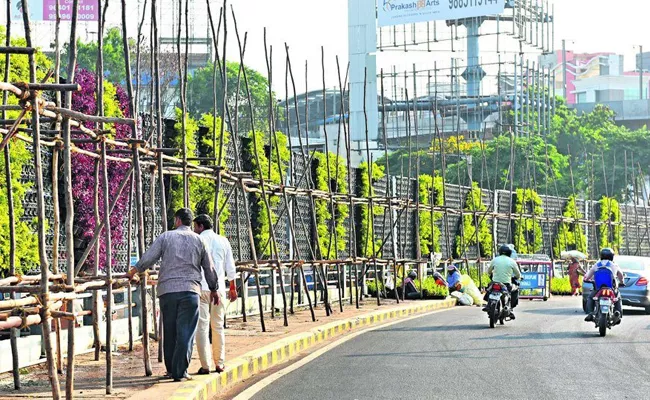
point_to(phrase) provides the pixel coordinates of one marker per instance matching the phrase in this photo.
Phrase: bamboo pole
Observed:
(45, 295)
(109, 276)
(13, 333)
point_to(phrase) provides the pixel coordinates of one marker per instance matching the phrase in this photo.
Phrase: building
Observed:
(600, 79)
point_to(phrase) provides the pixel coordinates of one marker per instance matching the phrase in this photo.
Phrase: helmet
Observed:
(505, 250)
(607, 254)
(451, 267)
(413, 275)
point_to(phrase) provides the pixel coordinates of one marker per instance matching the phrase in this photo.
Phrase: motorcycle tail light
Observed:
(642, 281)
(496, 287)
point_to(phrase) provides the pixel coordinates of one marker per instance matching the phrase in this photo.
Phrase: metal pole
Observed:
(641, 72)
(564, 85)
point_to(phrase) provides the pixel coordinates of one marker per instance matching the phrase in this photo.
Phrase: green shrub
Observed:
(365, 233)
(560, 286)
(468, 236)
(430, 289)
(430, 192)
(528, 231)
(570, 235)
(372, 286)
(610, 235)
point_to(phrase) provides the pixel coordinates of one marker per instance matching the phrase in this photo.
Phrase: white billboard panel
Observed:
(398, 12)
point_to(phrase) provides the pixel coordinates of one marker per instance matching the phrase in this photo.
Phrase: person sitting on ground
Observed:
(410, 291)
(440, 280)
(453, 278)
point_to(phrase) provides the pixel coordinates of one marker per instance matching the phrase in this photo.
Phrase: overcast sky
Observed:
(306, 25)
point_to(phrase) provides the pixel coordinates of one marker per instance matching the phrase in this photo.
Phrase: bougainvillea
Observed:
(430, 193)
(83, 166)
(470, 234)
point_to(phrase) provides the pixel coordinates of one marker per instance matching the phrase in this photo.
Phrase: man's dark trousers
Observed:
(180, 318)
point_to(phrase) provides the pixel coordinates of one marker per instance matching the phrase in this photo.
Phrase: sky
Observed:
(306, 25)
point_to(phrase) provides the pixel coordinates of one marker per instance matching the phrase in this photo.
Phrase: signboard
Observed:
(398, 12)
(45, 10)
(532, 280)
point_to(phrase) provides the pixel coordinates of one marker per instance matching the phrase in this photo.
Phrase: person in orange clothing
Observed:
(575, 271)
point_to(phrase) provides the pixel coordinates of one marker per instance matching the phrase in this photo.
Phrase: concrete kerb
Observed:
(249, 364)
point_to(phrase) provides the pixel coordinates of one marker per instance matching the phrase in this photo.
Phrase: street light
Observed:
(640, 67)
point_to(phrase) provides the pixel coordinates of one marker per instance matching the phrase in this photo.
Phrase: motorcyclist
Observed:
(502, 268)
(606, 261)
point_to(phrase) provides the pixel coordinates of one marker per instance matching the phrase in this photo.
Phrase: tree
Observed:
(113, 51)
(529, 165)
(200, 97)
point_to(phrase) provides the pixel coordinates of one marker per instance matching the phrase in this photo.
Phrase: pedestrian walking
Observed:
(221, 253)
(183, 256)
(574, 276)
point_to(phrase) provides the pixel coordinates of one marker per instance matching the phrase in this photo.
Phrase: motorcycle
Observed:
(604, 310)
(498, 307)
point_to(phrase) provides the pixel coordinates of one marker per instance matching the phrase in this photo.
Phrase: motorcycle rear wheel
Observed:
(493, 314)
(602, 324)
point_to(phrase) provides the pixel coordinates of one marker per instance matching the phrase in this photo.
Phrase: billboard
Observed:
(398, 12)
(45, 10)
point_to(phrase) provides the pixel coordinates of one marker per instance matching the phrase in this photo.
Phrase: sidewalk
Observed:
(248, 351)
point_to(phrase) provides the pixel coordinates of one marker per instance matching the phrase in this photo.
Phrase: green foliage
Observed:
(200, 95)
(470, 236)
(430, 289)
(610, 235)
(372, 286)
(365, 228)
(528, 231)
(267, 168)
(430, 193)
(560, 286)
(493, 164)
(201, 190)
(113, 52)
(330, 243)
(570, 235)
(26, 240)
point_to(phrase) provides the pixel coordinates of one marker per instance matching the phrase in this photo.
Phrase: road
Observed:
(548, 352)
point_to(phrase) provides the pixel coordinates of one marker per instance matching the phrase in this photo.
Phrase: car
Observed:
(635, 293)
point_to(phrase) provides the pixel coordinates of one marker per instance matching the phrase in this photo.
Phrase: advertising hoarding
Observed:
(45, 10)
(398, 12)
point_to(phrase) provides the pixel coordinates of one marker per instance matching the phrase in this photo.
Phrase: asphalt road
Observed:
(548, 352)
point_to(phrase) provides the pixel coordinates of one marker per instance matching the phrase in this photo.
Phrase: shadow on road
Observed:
(540, 336)
(554, 311)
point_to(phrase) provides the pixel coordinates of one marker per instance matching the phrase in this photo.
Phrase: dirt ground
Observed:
(129, 380)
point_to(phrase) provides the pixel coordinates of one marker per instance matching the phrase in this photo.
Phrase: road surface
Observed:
(548, 352)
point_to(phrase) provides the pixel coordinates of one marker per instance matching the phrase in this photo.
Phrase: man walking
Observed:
(224, 263)
(183, 256)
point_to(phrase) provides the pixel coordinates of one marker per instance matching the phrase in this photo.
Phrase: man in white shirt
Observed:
(219, 249)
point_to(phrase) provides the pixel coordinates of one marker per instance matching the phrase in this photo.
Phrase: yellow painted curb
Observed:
(249, 364)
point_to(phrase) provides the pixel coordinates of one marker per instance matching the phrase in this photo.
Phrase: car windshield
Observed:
(633, 265)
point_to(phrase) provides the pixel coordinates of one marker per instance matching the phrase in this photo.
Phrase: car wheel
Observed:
(647, 310)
